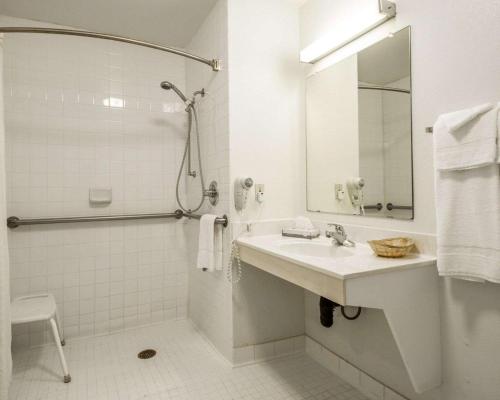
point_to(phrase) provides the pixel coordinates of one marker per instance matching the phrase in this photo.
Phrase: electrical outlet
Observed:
(259, 192)
(339, 191)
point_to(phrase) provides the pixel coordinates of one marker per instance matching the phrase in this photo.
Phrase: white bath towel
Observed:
(468, 223)
(466, 138)
(209, 244)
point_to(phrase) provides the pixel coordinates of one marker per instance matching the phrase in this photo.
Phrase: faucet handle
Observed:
(333, 229)
(337, 227)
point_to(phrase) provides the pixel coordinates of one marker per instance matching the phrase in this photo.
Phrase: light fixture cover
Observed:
(334, 41)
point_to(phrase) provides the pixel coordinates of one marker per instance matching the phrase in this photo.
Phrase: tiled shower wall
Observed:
(210, 294)
(83, 113)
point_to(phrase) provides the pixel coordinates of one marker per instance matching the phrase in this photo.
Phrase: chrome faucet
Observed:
(337, 232)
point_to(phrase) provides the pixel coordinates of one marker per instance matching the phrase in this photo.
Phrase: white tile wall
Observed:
(398, 149)
(210, 294)
(5, 331)
(370, 387)
(84, 113)
(266, 351)
(371, 146)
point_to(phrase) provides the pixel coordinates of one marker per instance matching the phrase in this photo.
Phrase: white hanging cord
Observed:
(235, 255)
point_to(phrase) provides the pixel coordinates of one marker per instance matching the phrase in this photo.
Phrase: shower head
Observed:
(170, 86)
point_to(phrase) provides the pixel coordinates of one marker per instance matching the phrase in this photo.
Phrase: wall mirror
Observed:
(359, 133)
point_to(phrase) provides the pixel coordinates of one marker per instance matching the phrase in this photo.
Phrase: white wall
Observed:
(454, 65)
(64, 137)
(332, 137)
(264, 91)
(264, 102)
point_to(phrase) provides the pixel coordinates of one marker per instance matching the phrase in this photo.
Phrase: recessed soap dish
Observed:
(100, 196)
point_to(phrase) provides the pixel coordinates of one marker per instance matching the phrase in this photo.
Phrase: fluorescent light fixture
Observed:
(354, 30)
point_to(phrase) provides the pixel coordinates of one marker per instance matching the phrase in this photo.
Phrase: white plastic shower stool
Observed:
(41, 307)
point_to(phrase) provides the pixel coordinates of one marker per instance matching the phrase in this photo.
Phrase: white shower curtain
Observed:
(5, 329)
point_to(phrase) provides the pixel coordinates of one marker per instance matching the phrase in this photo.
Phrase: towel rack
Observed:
(14, 222)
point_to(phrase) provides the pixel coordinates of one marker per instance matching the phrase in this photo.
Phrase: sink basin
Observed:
(315, 249)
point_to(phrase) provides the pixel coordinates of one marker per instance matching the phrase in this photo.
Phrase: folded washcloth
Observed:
(467, 138)
(456, 119)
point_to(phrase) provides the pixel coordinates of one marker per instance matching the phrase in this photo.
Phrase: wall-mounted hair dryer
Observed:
(355, 191)
(241, 188)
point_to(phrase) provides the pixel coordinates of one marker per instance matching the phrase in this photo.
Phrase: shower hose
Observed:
(192, 115)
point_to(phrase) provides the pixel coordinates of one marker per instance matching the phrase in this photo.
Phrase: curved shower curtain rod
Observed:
(214, 63)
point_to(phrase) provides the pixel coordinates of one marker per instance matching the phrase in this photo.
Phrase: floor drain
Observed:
(145, 354)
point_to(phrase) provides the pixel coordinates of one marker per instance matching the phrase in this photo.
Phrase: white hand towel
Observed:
(209, 244)
(218, 243)
(468, 223)
(466, 138)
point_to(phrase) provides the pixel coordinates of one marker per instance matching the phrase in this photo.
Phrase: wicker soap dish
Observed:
(392, 247)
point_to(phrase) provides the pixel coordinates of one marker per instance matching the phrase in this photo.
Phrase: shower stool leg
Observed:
(59, 329)
(57, 339)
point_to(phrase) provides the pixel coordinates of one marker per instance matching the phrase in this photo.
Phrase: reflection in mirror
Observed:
(359, 150)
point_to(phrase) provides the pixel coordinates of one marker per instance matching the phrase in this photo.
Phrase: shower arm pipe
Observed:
(386, 88)
(215, 64)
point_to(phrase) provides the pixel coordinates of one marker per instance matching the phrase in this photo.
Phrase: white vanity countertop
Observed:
(321, 255)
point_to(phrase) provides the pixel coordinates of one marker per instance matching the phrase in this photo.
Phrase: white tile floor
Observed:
(186, 367)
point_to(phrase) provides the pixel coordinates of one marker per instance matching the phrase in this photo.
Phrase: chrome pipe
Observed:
(14, 222)
(214, 63)
(386, 88)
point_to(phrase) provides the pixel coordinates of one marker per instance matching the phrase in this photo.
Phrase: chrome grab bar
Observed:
(14, 222)
(377, 207)
(391, 207)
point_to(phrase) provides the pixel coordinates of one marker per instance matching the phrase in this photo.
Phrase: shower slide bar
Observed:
(214, 63)
(14, 222)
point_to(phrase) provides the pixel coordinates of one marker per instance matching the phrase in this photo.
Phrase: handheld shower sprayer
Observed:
(192, 117)
(170, 86)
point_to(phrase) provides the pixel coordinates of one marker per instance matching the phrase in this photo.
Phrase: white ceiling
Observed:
(166, 22)
(386, 61)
